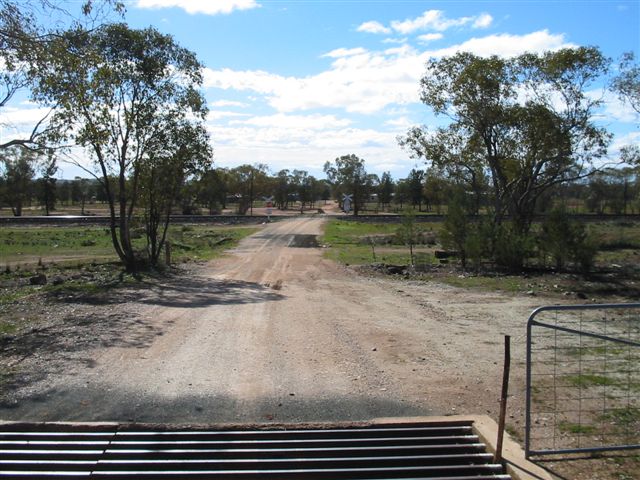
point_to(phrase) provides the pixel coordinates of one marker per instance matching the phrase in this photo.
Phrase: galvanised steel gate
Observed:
(583, 379)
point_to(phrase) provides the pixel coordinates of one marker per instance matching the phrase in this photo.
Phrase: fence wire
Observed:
(583, 379)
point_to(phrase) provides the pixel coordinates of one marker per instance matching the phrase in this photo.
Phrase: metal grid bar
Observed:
(449, 451)
(587, 382)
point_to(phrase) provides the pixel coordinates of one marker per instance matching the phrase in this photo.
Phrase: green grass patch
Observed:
(8, 296)
(596, 351)
(350, 254)
(576, 428)
(76, 287)
(24, 246)
(587, 380)
(7, 328)
(83, 271)
(197, 242)
(18, 244)
(512, 284)
(338, 232)
(616, 235)
(624, 416)
(345, 241)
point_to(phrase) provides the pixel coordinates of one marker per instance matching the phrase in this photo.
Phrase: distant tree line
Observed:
(28, 180)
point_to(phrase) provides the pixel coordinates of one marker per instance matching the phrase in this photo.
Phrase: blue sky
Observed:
(296, 83)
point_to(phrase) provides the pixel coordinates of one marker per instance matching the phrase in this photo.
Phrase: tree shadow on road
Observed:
(53, 347)
(109, 317)
(96, 404)
(199, 292)
(181, 292)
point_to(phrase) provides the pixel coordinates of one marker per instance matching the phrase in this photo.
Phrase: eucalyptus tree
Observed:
(47, 182)
(214, 184)
(415, 181)
(182, 151)
(19, 167)
(22, 39)
(385, 189)
(303, 187)
(282, 188)
(117, 91)
(627, 85)
(249, 182)
(526, 121)
(347, 175)
(25, 47)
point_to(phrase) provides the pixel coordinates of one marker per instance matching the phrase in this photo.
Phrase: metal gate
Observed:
(583, 379)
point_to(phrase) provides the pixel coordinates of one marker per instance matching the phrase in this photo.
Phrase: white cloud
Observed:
(19, 118)
(626, 139)
(302, 148)
(613, 109)
(395, 40)
(402, 123)
(404, 50)
(218, 114)
(299, 122)
(307, 142)
(373, 27)
(429, 20)
(483, 21)
(344, 52)
(366, 81)
(228, 103)
(361, 83)
(622, 141)
(257, 80)
(507, 45)
(207, 7)
(429, 37)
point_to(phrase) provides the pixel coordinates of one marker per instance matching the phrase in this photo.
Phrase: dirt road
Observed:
(274, 332)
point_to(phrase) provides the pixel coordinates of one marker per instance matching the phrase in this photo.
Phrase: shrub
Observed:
(512, 248)
(477, 244)
(565, 240)
(455, 228)
(556, 237)
(407, 233)
(585, 256)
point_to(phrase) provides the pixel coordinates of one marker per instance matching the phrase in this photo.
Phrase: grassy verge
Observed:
(505, 283)
(346, 244)
(619, 252)
(80, 260)
(22, 248)
(197, 242)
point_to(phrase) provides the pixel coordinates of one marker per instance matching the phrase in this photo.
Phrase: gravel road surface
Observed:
(275, 332)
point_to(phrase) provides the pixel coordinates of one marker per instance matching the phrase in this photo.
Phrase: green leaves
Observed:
(525, 121)
(131, 97)
(627, 83)
(349, 176)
